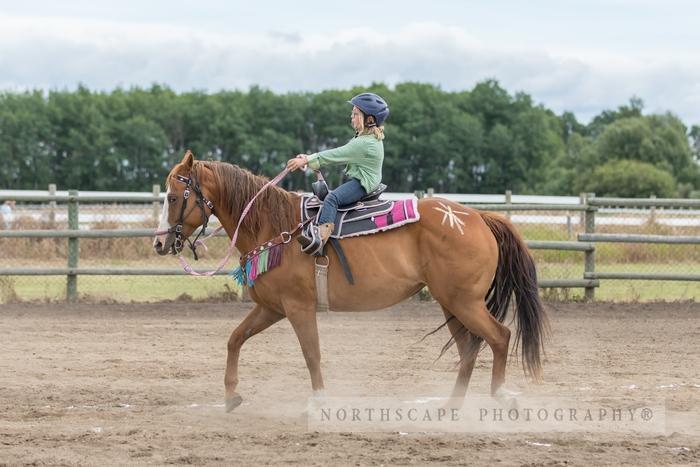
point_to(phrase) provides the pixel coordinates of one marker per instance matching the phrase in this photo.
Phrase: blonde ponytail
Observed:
(377, 131)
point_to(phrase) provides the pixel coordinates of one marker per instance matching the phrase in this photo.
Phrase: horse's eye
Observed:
(172, 199)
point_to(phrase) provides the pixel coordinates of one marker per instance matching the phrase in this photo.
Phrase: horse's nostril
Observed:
(158, 245)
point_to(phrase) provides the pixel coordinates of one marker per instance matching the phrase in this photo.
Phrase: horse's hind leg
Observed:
(467, 359)
(257, 320)
(474, 315)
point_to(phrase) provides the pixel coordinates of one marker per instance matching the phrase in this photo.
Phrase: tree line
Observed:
(483, 140)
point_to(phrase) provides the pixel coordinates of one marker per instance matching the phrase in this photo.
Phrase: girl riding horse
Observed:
(364, 155)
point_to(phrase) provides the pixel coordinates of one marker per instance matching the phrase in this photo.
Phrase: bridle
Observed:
(202, 201)
(191, 182)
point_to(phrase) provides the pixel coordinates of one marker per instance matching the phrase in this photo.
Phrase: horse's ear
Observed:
(188, 160)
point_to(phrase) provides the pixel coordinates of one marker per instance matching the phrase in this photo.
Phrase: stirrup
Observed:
(310, 240)
(304, 241)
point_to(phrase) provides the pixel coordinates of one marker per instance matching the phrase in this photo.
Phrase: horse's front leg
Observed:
(302, 316)
(258, 320)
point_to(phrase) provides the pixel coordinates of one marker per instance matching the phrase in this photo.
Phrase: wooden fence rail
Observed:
(585, 243)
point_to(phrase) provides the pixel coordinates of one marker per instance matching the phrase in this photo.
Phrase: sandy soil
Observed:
(143, 384)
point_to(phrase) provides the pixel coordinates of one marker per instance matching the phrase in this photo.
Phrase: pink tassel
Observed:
(253, 267)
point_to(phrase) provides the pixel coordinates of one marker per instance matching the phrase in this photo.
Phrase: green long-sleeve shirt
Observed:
(364, 156)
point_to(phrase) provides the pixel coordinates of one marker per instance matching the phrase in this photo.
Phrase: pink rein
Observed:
(185, 265)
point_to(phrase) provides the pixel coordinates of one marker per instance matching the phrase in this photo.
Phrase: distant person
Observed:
(6, 213)
(363, 156)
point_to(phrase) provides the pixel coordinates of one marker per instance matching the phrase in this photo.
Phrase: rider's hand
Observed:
(297, 163)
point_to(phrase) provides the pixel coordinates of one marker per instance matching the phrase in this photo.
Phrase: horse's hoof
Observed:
(453, 403)
(233, 402)
(507, 397)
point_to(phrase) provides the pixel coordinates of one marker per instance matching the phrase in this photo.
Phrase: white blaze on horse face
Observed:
(450, 215)
(164, 224)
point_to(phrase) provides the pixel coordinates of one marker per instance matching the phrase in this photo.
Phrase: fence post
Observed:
(652, 212)
(73, 247)
(156, 205)
(589, 256)
(509, 201)
(430, 193)
(52, 205)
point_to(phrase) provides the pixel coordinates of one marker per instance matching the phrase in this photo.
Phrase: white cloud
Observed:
(61, 52)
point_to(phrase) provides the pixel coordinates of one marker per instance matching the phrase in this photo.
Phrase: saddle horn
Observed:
(320, 187)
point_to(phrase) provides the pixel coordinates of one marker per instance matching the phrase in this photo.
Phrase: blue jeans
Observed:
(347, 193)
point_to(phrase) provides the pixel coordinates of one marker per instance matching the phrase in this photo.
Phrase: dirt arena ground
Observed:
(142, 384)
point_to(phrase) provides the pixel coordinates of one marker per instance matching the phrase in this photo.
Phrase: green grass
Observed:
(118, 288)
(158, 288)
(644, 291)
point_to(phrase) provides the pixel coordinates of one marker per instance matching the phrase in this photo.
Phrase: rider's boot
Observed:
(325, 230)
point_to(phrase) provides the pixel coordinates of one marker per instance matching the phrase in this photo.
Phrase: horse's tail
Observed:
(516, 275)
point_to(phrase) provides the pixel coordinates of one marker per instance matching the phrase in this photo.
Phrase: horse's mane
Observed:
(274, 206)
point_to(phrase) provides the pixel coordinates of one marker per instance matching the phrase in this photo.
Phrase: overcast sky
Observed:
(581, 56)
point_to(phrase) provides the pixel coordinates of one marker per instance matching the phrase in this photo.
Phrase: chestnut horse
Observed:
(472, 262)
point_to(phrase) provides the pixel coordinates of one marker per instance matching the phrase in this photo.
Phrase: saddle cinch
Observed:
(367, 216)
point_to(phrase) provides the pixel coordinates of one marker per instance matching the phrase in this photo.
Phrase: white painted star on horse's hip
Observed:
(451, 215)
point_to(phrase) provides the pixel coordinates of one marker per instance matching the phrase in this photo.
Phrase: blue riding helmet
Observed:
(371, 104)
